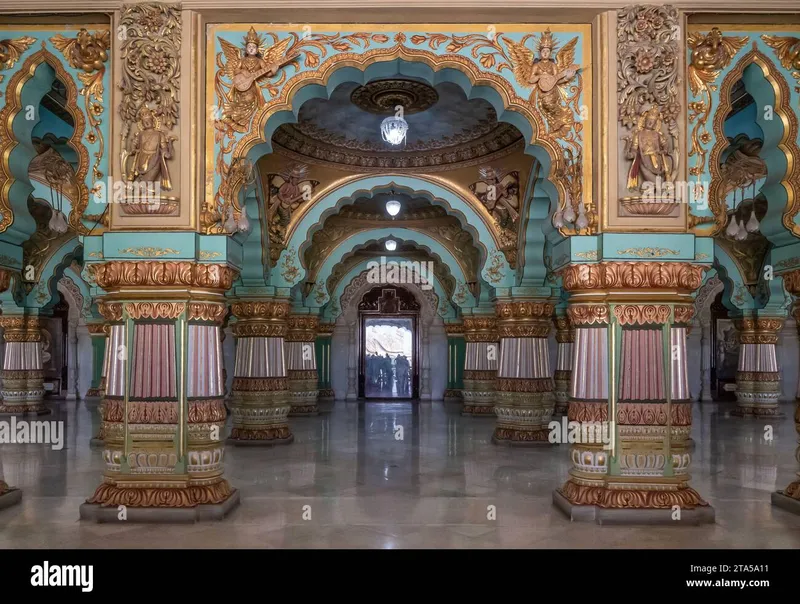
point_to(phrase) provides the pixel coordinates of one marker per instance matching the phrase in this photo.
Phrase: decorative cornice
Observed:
(302, 328)
(110, 311)
(154, 310)
(98, 329)
(642, 314)
(156, 273)
(682, 276)
(588, 314)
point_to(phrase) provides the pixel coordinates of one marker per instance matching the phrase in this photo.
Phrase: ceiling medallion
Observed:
(382, 96)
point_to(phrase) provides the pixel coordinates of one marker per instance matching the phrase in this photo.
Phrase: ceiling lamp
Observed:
(394, 129)
(393, 207)
(391, 245)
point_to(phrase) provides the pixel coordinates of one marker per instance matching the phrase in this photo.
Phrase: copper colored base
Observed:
(37, 409)
(514, 436)
(685, 498)
(281, 435)
(94, 393)
(112, 495)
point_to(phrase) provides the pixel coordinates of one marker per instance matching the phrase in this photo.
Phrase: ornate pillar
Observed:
(72, 360)
(524, 400)
(789, 498)
(163, 413)
(758, 382)
(113, 352)
(480, 365)
(705, 359)
(260, 393)
(23, 377)
(630, 388)
(352, 364)
(99, 335)
(323, 353)
(8, 495)
(455, 361)
(301, 364)
(565, 337)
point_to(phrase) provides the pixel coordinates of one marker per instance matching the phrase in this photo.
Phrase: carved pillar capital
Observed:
(261, 318)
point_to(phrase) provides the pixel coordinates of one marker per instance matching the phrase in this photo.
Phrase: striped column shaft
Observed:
(565, 338)
(524, 400)
(23, 376)
(480, 365)
(324, 339)
(260, 398)
(758, 386)
(301, 364)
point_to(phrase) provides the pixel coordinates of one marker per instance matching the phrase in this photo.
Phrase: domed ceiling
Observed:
(445, 129)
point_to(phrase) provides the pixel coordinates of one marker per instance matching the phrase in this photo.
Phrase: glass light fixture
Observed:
(391, 245)
(393, 207)
(394, 129)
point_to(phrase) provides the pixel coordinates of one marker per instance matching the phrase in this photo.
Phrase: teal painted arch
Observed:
(331, 312)
(417, 186)
(536, 232)
(45, 294)
(422, 239)
(773, 151)
(735, 296)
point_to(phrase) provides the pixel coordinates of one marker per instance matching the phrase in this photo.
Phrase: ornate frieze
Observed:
(642, 314)
(21, 328)
(480, 329)
(154, 310)
(124, 273)
(639, 275)
(207, 311)
(302, 328)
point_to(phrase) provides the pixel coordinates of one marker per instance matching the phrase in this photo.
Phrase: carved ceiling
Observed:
(417, 214)
(445, 128)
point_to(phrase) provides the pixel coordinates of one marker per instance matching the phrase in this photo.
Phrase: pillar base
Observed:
(781, 499)
(452, 394)
(94, 393)
(254, 437)
(108, 513)
(478, 410)
(633, 516)
(35, 410)
(772, 412)
(327, 394)
(520, 437)
(9, 496)
(304, 410)
(561, 408)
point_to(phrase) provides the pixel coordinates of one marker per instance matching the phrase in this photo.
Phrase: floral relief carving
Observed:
(646, 275)
(150, 273)
(648, 107)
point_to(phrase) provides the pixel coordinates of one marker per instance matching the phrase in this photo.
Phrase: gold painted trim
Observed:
(787, 145)
(8, 141)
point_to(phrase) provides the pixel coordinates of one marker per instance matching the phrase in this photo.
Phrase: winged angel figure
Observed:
(549, 77)
(242, 68)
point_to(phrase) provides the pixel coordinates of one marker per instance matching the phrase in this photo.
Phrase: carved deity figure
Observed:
(150, 149)
(648, 147)
(499, 192)
(287, 191)
(547, 74)
(244, 95)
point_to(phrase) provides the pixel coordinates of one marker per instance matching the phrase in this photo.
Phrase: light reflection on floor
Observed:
(406, 475)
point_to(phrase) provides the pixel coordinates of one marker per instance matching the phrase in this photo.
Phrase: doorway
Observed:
(388, 368)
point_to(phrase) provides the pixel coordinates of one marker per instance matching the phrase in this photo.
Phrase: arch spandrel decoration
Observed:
(78, 55)
(496, 67)
(718, 57)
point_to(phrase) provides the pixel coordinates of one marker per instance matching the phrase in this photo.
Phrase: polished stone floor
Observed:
(406, 475)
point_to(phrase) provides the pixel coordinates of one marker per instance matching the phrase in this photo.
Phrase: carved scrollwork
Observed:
(261, 310)
(11, 51)
(154, 310)
(641, 314)
(152, 273)
(588, 314)
(207, 311)
(110, 311)
(642, 275)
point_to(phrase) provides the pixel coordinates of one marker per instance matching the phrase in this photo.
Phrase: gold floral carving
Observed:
(11, 51)
(260, 330)
(791, 281)
(524, 385)
(149, 252)
(787, 48)
(110, 311)
(8, 138)
(502, 433)
(154, 310)
(711, 53)
(302, 375)
(261, 310)
(522, 330)
(524, 310)
(480, 374)
(641, 314)
(685, 497)
(109, 495)
(640, 275)
(654, 414)
(98, 329)
(648, 59)
(19, 328)
(326, 329)
(758, 376)
(277, 433)
(207, 311)
(152, 273)
(588, 314)
(150, 82)
(647, 252)
(454, 329)
(302, 328)
(684, 313)
(88, 52)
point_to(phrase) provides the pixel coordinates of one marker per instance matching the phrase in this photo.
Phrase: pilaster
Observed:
(8, 495)
(482, 351)
(565, 337)
(260, 397)
(524, 400)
